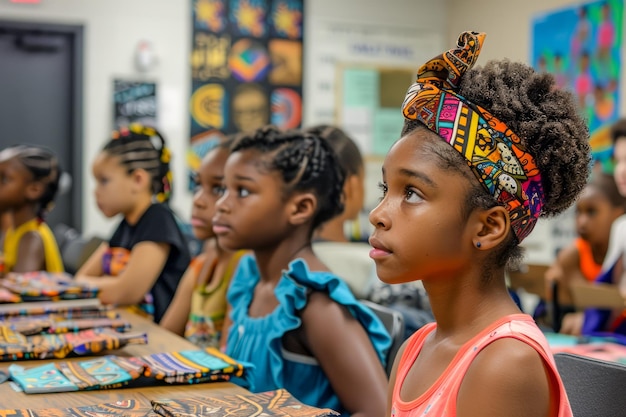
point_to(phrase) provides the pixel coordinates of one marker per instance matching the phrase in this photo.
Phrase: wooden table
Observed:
(159, 340)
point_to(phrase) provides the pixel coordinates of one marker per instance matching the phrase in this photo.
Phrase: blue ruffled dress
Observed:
(258, 340)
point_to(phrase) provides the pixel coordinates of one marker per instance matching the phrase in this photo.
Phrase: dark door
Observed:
(40, 100)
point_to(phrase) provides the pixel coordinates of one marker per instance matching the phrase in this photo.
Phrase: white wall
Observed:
(113, 28)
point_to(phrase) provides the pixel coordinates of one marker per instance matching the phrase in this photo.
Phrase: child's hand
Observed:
(572, 324)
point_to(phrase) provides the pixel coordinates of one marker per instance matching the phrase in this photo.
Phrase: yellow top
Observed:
(50, 248)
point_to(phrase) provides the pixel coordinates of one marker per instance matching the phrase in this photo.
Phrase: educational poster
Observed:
(581, 45)
(134, 102)
(246, 65)
(369, 105)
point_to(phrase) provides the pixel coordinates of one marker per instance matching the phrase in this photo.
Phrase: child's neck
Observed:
(141, 205)
(463, 307)
(599, 250)
(24, 214)
(213, 249)
(332, 231)
(271, 261)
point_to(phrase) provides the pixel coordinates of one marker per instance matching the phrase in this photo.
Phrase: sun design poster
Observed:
(246, 66)
(581, 45)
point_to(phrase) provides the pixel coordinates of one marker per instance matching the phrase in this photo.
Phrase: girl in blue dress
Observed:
(296, 322)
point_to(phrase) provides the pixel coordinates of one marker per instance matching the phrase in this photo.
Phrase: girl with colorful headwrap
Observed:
(484, 153)
(147, 255)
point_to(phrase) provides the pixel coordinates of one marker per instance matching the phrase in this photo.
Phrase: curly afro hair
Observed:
(546, 120)
(549, 126)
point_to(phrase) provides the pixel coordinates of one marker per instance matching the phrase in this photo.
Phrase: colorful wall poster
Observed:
(134, 102)
(581, 45)
(246, 67)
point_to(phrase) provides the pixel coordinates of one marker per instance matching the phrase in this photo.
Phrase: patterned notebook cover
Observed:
(127, 408)
(54, 323)
(266, 404)
(42, 285)
(185, 367)
(70, 309)
(16, 346)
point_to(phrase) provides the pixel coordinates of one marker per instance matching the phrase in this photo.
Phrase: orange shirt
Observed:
(589, 268)
(440, 398)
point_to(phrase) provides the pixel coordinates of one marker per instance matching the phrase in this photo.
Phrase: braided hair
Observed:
(348, 153)
(305, 161)
(44, 167)
(143, 147)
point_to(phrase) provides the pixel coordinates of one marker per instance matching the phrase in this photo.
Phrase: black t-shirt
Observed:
(158, 225)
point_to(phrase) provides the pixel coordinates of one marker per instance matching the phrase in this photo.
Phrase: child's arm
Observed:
(565, 271)
(343, 349)
(177, 314)
(30, 254)
(93, 265)
(144, 266)
(226, 326)
(508, 378)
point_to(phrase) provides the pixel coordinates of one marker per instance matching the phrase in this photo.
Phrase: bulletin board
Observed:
(368, 108)
(134, 102)
(368, 104)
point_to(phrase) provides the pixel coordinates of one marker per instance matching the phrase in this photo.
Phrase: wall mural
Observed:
(246, 69)
(581, 45)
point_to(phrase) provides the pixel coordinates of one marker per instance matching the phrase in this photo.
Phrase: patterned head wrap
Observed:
(494, 153)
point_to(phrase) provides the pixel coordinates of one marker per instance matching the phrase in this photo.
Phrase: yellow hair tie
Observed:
(166, 156)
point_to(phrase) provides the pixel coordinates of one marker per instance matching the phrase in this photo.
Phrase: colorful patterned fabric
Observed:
(52, 256)
(494, 153)
(126, 408)
(68, 309)
(271, 403)
(107, 372)
(15, 346)
(50, 323)
(42, 286)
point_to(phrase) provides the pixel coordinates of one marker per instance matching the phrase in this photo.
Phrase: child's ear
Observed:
(141, 180)
(492, 227)
(301, 208)
(34, 190)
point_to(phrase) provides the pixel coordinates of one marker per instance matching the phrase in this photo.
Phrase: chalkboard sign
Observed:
(134, 102)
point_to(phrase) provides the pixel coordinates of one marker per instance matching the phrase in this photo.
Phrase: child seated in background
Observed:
(604, 322)
(147, 254)
(346, 259)
(484, 153)
(597, 207)
(198, 309)
(29, 181)
(292, 318)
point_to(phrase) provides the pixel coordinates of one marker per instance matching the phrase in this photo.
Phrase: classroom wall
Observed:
(113, 28)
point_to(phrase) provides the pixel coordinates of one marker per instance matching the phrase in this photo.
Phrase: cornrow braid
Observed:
(44, 166)
(143, 147)
(306, 163)
(347, 151)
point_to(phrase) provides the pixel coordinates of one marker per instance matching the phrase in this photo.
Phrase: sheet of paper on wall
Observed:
(357, 122)
(359, 100)
(387, 127)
